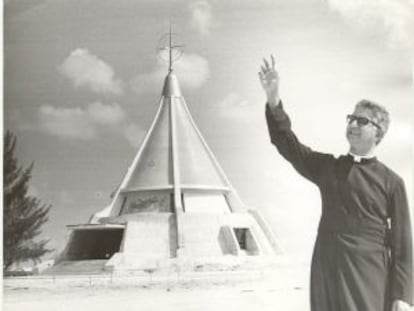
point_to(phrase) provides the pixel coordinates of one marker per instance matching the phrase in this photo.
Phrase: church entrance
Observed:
(92, 244)
(246, 241)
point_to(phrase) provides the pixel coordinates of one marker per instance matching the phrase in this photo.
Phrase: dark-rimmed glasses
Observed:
(361, 121)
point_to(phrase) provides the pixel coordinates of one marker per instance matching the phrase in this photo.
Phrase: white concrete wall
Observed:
(207, 235)
(201, 235)
(151, 235)
(150, 240)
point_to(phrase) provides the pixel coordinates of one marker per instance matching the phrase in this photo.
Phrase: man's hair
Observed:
(381, 115)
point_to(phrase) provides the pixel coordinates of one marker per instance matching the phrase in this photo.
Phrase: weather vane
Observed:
(168, 48)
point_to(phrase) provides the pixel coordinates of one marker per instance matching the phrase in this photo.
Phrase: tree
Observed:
(23, 214)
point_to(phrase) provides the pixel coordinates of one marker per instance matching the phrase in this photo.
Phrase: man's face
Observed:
(362, 138)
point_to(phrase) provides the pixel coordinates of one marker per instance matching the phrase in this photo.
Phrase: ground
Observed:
(282, 287)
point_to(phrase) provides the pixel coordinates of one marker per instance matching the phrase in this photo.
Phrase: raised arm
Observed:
(307, 162)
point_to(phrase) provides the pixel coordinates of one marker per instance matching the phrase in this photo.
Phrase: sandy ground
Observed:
(283, 287)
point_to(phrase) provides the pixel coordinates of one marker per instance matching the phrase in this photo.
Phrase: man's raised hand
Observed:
(269, 78)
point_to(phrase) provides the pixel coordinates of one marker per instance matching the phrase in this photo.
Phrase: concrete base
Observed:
(207, 241)
(131, 262)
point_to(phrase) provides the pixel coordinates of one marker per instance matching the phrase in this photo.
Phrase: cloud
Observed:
(192, 71)
(83, 123)
(395, 18)
(77, 122)
(200, 16)
(148, 81)
(105, 114)
(66, 122)
(133, 134)
(234, 107)
(87, 70)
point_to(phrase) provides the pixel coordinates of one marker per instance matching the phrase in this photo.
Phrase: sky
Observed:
(82, 83)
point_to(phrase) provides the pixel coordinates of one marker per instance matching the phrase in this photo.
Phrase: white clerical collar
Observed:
(358, 158)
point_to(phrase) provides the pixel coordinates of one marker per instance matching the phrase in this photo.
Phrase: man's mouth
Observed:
(352, 133)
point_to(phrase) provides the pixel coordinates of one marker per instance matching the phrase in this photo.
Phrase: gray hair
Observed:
(381, 115)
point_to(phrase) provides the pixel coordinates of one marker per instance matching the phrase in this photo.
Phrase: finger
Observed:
(266, 64)
(264, 70)
(273, 61)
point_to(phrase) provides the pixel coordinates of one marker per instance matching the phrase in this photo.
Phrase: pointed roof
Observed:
(174, 150)
(174, 155)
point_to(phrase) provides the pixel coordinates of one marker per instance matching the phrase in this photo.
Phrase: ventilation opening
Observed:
(246, 241)
(94, 244)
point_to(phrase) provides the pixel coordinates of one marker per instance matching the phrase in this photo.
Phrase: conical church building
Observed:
(175, 204)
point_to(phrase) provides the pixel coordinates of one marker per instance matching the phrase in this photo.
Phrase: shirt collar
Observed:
(359, 158)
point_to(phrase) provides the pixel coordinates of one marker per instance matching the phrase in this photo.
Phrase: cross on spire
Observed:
(170, 46)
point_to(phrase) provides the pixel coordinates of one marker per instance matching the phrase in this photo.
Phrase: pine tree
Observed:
(23, 214)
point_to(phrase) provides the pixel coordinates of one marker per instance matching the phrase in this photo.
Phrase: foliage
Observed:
(23, 214)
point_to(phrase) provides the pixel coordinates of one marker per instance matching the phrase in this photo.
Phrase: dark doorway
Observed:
(246, 241)
(241, 237)
(88, 244)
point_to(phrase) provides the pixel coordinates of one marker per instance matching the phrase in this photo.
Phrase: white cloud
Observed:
(87, 70)
(133, 134)
(200, 16)
(105, 114)
(192, 71)
(148, 81)
(78, 122)
(234, 107)
(66, 122)
(394, 17)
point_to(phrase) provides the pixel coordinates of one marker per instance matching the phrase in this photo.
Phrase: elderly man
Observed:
(362, 259)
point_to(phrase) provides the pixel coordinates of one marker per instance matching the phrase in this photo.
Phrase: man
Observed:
(362, 259)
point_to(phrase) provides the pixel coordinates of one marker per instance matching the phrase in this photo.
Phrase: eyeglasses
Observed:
(361, 121)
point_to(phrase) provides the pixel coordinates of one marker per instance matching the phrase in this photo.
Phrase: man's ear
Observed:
(378, 135)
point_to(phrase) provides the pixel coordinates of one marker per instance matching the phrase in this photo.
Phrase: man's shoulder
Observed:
(389, 173)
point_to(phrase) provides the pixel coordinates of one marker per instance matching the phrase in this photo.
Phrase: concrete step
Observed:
(78, 267)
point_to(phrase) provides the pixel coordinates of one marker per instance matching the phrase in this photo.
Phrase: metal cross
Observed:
(170, 48)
